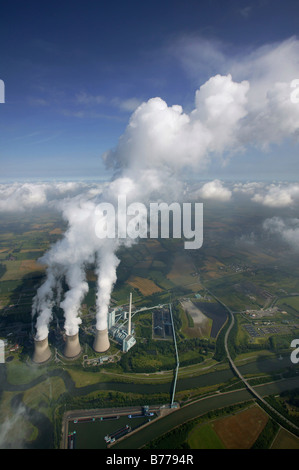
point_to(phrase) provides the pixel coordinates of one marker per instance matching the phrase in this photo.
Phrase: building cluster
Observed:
(125, 337)
(72, 350)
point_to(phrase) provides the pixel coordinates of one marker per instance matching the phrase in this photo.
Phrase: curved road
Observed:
(238, 373)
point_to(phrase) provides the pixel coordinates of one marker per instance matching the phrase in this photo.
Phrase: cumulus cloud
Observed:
(160, 136)
(287, 230)
(20, 197)
(249, 188)
(278, 195)
(247, 104)
(214, 190)
(270, 69)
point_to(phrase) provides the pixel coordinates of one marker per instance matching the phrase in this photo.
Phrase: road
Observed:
(238, 373)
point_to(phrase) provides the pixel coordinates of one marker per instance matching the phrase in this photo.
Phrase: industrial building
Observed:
(125, 337)
(72, 349)
(111, 319)
(128, 342)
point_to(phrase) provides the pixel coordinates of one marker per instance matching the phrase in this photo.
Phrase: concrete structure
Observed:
(130, 316)
(128, 343)
(101, 341)
(111, 319)
(72, 346)
(42, 352)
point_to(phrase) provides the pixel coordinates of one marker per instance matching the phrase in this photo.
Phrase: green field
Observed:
(204, 437)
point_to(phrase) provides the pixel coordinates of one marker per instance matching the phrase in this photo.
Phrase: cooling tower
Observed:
(42, 351)
(72, 346)
(101, 341)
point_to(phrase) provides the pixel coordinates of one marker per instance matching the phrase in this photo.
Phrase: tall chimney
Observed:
(72, 346)
(42, 352)
(130, 313)
(101, 341)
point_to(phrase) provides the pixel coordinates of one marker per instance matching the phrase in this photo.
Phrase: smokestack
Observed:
(101, 341)
(130, 312)
(72, 347)
(42, 352)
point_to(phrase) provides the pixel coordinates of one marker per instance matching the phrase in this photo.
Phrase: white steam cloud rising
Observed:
(158, 145)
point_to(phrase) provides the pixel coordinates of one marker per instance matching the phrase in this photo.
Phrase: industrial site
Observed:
(119, 328)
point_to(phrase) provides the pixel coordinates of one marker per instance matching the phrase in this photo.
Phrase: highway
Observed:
(238, 373)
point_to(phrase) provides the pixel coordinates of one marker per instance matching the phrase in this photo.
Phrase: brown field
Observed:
(39, 226)
(240, 431)
(285, 440)
(29, 250)
(29, 265)
(182, 270)
(90, 275)
(56, 231)
(17, 269)
(145, 286)
(211, 267)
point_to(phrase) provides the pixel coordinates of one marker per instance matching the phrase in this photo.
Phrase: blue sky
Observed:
(74, 72)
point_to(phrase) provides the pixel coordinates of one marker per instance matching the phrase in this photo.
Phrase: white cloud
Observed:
(159, 135)
(288, 230)
(278, 195)
(214, 190)
(21, 197)
(269, 69)
(248, 188)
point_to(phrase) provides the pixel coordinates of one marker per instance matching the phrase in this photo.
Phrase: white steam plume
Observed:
(107, 263)
(159, 143)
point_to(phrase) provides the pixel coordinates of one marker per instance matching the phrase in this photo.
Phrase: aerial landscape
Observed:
(149, 229)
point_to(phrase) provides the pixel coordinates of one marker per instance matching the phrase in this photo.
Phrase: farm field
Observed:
(238, 431)
(182, 271)
(285, 440)
(145, 286)
(204, 437)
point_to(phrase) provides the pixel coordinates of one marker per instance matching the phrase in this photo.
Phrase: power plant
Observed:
(72, 346)
(101, 341)
(42, 352)
(124, 335)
